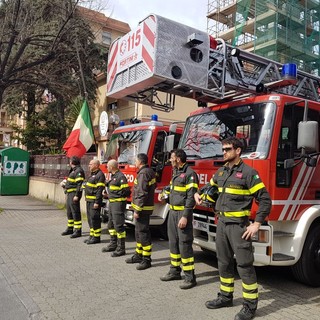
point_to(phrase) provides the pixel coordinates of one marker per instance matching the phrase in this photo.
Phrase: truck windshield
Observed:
(253, 123)
(124, 146)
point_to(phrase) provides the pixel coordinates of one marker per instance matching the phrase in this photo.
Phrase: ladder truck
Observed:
(274, 107)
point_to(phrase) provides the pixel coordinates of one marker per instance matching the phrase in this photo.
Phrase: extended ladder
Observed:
(179, 60)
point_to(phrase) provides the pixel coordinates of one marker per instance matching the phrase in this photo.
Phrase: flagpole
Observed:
(85, 91)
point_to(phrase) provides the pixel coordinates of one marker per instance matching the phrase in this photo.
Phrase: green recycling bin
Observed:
(14, 171)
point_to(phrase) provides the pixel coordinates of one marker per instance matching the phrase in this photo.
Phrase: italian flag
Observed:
(81, 136)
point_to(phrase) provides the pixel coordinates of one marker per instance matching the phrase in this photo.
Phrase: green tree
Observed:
(45, 46)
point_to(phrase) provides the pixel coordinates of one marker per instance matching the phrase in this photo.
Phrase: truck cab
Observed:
(151, 138)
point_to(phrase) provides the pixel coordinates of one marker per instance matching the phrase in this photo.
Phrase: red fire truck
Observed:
(274, 107)
(151, 138)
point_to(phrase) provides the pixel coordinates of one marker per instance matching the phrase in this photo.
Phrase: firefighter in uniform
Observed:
(73, 188)
(94, 187)
(238, 186)
(117, 191)
(143, 205)
(183, 186)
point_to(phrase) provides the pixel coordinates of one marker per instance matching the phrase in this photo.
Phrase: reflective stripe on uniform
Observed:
(236, 214)
(117, 199)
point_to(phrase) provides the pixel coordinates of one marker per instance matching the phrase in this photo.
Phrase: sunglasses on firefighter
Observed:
(227, 149)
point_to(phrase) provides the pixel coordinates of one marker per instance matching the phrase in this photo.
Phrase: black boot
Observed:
(144, 264)
(173, 274)
(136, 258)
(112, 246)
(189, 280)
(68, 231)
(76, 233)
(94, 240)
(121, 248)
(88, 239)
(220, 302)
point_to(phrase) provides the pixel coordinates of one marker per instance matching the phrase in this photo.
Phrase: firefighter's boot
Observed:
(221, 301)
(136, 258)
(173, 274)
(112, 246)
(68, 231)
(121, 248)
(189, 280)
(76, 233)
(144, 264)
(94, 240)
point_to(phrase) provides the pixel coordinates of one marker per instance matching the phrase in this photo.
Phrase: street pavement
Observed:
(46, 276)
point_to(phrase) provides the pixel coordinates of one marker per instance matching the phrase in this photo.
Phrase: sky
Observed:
(190, 12)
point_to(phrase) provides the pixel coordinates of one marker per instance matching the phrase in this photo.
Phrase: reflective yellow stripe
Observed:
(71, 180)
(177, 208)
(236, 214)
(118, 199)
(227, 280)
(91, 197)
(176, 263)
(212, 183)
(175, 256)
(112, 232)
(226, 289)
(72, 189)
(153, 181)
(93, 185)
(147, 208)
(112, 187)
(79, 179)
(100, 184)
(188, 260)
(250, 295)
(237, 191)
(181, 189)
(135, 207)
(188, 268)
(147, 248)
(191, 185)
(256, 187)
(121, 235)
(253, 286)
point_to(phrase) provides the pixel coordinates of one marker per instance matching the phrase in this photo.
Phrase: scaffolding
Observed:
(280, 30)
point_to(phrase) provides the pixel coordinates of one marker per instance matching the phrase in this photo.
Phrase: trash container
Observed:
(14, 171)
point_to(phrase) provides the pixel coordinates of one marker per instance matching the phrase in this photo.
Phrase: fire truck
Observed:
(156, 140)
(275, 108)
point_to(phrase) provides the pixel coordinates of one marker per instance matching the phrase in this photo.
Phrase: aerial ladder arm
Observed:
(164, 56)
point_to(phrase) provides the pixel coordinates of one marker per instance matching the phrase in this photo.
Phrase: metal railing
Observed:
(56, 166)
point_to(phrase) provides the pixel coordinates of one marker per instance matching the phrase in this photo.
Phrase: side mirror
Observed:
(169, 143)
(308, 136)
(288, 164)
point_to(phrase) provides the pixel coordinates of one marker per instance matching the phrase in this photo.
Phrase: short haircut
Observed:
(235, 142)
(180, 154)
(75, 160)
(143, 158)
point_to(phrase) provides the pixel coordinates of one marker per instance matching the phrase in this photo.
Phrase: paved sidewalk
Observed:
(46, 276)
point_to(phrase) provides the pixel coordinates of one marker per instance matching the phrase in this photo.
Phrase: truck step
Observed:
(281, 257)
(279, 234)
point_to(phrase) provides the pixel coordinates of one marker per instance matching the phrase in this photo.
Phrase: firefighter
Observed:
(143, 205)
(183, 186)
(238, 186)
(94, 187)
(73, 188)
(117, 190)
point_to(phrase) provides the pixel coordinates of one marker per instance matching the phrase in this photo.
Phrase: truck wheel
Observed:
(307, 269)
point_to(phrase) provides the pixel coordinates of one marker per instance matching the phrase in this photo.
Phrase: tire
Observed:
(307, 269)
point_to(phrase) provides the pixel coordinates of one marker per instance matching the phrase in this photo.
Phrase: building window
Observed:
(106, 38)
